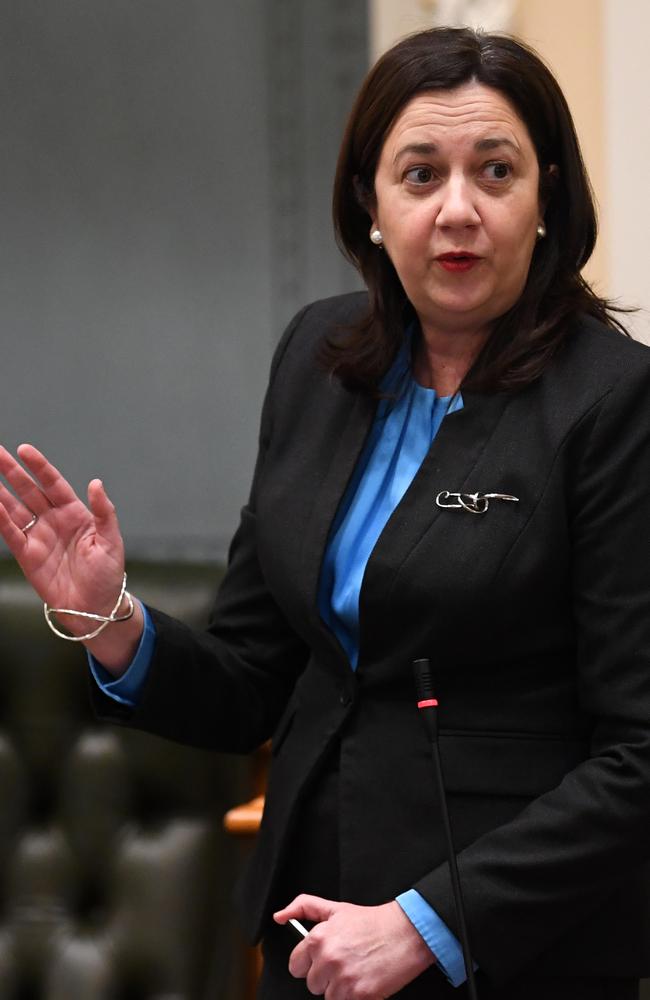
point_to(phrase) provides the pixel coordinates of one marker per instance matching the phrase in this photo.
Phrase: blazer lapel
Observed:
(454, 453)
(342, 462)
(460, 442)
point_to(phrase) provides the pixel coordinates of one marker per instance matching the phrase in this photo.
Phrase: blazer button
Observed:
(345, 697)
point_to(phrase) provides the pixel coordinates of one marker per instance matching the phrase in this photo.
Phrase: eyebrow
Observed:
(431, 148)
(486, 144)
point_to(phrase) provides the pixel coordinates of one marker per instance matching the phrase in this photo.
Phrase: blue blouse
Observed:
(406, 423)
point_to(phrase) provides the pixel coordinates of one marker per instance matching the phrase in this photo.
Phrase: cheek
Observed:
(512, 273)
(407, 235)
(515, 244)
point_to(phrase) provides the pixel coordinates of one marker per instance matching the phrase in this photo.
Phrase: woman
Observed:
(453, 468)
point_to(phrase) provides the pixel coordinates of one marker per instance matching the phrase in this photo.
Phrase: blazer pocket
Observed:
(507, 763)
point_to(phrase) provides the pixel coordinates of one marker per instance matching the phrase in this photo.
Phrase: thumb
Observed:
(103, 511)
(305, 907)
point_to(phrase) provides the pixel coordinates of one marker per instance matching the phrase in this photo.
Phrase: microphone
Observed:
(428, 708)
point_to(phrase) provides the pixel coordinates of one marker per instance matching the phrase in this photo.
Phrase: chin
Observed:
(456, 312)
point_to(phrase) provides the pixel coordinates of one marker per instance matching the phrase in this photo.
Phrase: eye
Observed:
(497, 171)
(419, 175)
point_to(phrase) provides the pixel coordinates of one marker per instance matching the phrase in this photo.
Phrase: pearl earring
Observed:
(376, 237)
(541, 231)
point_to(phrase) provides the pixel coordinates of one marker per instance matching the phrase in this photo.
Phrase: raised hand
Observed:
(355, 952)
(72, 554)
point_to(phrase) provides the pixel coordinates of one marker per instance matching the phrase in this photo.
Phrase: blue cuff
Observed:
(437, 935)
(126, 689)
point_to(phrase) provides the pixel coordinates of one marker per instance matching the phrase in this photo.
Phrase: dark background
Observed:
(165, 204)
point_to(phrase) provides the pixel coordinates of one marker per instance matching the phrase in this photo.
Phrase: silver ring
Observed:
(31, 524)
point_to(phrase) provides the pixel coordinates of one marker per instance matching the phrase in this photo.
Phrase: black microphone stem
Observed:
(428, 706)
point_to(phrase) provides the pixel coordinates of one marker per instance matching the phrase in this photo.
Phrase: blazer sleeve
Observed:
(224, 688)
(529, 881)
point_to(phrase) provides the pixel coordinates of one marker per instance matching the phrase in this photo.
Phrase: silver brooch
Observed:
(475, 503)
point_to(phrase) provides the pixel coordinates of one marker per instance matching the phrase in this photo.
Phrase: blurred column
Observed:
(626, 74)
(391, 19)
(568, 34)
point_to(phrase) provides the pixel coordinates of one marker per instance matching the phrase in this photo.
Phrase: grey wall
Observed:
(166, 175)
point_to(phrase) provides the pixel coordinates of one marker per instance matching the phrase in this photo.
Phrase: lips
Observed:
(458, 260)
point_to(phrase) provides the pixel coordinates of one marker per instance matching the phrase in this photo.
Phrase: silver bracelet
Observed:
(105, 621)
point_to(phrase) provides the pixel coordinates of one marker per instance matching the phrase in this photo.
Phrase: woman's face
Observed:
(457, 203)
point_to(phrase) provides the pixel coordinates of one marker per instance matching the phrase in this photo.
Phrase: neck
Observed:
(442, 359)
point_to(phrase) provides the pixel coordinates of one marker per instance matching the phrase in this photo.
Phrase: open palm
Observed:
(73, 556)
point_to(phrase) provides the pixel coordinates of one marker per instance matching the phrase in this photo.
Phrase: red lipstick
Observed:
(458, 260)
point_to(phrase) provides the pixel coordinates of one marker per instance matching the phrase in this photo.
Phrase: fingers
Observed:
(305, 907)
(12, 534)
(14, 518)
(57, 490)
(17, 511)
(300, 960)
(308, 961)
(51, 490)
(317, 981)
(312, 908)
(40, 489)
(23, 485)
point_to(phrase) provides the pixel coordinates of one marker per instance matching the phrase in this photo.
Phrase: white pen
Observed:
(299, 928)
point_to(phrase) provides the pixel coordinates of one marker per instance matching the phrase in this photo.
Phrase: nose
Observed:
(457, 206)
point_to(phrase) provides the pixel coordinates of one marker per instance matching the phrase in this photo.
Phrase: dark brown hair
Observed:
(525, 338)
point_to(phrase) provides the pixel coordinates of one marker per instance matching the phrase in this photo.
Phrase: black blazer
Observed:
(536, 616)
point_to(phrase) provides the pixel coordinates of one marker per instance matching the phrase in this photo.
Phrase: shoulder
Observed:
(312, 325)
(599, 356)
(595, 363)
(338, 308)
(325, 316)
(595, 392)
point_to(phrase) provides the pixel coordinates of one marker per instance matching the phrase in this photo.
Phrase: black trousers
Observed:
(312, 866)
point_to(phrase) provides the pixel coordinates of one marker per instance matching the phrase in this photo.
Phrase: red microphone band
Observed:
(428, 703)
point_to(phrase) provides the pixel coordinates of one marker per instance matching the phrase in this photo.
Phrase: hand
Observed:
(355, 952)
(74, 555)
